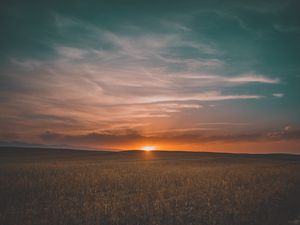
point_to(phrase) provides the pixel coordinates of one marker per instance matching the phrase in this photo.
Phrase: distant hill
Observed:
(40, 154)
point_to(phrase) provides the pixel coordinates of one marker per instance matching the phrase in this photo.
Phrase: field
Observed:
(69, 187)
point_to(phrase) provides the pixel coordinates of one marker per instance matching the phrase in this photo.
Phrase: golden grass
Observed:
(160, 190)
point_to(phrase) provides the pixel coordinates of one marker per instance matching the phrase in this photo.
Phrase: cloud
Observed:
(287, 128)
(108, 80)
(278, 95)
(224, 124)
(286, 28)
(206, 96)
(218, 80)
(175, 25)
(248, 78)
(193, 136)
(92, 139)
(71, 53)
(286, 134)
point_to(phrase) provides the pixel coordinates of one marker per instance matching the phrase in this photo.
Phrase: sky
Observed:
(198, 75)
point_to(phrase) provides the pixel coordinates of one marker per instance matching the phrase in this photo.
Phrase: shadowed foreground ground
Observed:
(44, 186)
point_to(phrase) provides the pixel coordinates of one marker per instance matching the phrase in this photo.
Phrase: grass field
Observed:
(66, 187)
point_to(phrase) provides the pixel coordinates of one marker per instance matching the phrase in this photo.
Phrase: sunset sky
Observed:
(179, 75)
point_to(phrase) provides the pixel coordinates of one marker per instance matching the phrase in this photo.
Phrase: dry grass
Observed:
(141, 189)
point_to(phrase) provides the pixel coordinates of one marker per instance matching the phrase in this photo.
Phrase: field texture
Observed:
(63, 187)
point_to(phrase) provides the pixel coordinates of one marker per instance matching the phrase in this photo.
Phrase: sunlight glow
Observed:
(148, 148)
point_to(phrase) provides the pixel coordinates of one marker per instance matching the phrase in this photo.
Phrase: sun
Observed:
(148, 148)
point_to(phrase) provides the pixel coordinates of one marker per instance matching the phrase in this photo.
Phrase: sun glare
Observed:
(148, 148)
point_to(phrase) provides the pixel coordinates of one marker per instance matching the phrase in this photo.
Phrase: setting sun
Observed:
(148, 148)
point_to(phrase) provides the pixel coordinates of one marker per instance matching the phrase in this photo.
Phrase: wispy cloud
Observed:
(210, 79)
(248, 78)
(224, 124)
(177, 136)
(278, 95)
(111, 81)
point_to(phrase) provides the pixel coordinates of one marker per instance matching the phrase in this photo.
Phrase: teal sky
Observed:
(186, 75)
